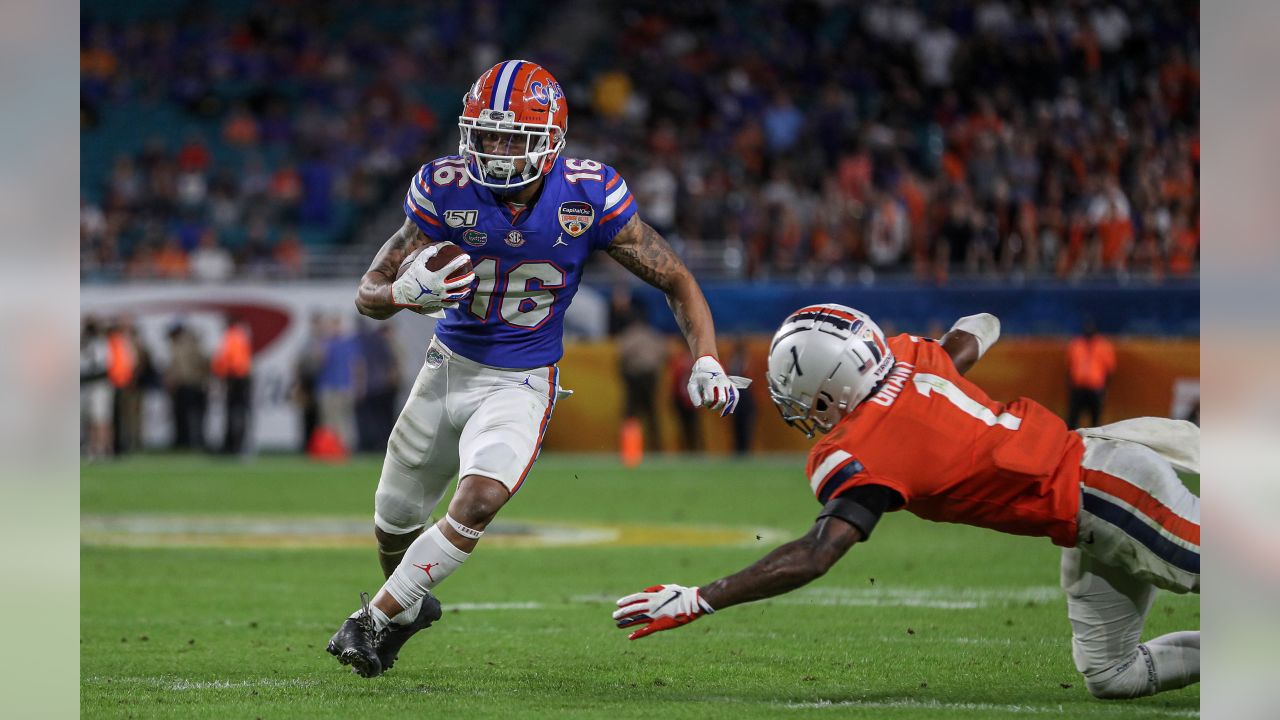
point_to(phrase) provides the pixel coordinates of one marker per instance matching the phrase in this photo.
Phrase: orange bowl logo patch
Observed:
(576, 217)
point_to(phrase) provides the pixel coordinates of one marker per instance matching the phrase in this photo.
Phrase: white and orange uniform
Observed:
(1126, 521)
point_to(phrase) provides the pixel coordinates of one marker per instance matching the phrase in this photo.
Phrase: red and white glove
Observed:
(710, 387)
(424, 290)
(660, 607)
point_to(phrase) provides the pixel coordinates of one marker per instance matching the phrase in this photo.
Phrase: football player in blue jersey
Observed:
(527, 219)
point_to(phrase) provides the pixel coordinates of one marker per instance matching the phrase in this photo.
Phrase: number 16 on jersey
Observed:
(524, 294)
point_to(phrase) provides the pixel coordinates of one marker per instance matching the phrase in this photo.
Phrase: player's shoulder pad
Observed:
(429, 193)
(593, 177)
(829, 466)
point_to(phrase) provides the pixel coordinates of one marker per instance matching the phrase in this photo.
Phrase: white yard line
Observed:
(176, 684)
(494, 606)
(937, 598)
(179, 684)
(909, 704)
(318, 532)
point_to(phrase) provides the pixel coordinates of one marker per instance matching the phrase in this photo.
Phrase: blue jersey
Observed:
(528, 267)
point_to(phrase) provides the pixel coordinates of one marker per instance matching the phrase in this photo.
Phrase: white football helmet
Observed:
(824, 360)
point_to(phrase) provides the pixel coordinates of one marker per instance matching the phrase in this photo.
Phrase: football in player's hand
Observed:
(448, 251)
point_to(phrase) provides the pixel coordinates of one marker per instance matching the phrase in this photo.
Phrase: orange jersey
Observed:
(953, 453)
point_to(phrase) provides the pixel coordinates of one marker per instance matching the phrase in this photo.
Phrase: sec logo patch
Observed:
(576, 217)
(515, 238)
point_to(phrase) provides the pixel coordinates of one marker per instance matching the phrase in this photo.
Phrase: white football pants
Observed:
(462, 418)
(1139, 531)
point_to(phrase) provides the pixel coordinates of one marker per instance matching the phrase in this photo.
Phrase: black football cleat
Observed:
(356, 641)
(395, 636)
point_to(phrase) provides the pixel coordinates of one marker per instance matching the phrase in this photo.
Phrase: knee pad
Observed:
(396, 514)
(1132, 677)
(496, 461)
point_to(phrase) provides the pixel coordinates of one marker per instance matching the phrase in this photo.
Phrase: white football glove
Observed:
(983, 326)
(660, 607)
(710, 387)
(424, 290)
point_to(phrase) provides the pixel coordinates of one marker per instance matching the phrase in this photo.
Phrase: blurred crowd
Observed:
(815, 139)
(118, 370)
(648, 361)
(345, 388)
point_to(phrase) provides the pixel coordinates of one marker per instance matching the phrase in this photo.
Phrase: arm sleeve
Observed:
(420, 208)
(616, 209)
(861, 506)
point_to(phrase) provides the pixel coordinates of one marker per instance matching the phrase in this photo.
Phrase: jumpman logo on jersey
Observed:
(560, 241)
(426, 568)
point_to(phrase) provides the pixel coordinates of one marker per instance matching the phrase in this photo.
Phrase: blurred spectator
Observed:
(210, 262)
(611, 94)
(1184, 250)
(688, 430)
(1091, 360)
(290, 256)
(935, 49)
(783, 122)
(887, 232)
(377, 387)
(335, 384)
(187, 380)
(656, 190)
(240, 127)
(233, 364)
(622, 309)
(744, 417)
(194, 156)
(642, 352)
(125, 361)
(96, 391)
(171, 262)
(305, 391)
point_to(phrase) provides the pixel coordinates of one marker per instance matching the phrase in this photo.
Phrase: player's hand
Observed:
(660, 607)
(428, 291)
(710, 387)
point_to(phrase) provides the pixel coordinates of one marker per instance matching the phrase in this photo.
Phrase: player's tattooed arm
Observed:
(640, 249)
(788, 567)
(374, 295)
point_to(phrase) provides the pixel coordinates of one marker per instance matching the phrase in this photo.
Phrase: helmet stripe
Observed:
(502, 89)
(495, 73)
(828, 310)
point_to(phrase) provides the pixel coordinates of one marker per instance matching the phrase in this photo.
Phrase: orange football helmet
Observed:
(513, 123)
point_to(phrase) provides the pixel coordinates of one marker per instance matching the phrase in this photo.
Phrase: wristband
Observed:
(983, 326)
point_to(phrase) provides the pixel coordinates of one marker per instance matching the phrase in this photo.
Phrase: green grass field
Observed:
(209, 589)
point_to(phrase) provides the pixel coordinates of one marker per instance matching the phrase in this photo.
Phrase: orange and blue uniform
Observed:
(952, 453)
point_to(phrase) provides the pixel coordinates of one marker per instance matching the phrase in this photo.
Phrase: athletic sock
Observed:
(428, 561)
(379, 618)
(408, 615)
(1176, 658)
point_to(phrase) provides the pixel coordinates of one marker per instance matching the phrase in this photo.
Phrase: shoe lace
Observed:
(365, 620)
